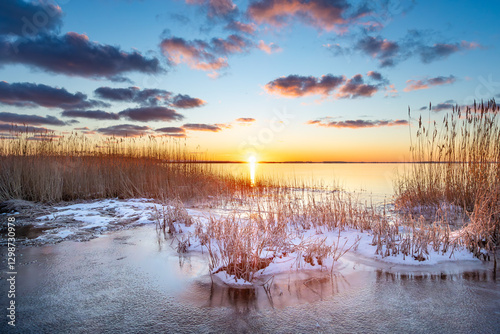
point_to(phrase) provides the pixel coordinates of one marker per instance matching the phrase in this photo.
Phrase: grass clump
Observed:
(243, 246)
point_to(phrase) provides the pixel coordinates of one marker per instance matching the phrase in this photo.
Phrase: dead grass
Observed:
(276, 226)
(458, 162)
(73, 167)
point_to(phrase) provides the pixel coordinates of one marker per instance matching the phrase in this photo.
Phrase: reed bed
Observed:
(457, 162)
(43, 167)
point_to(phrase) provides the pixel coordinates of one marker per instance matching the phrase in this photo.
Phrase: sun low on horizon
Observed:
(250, 81)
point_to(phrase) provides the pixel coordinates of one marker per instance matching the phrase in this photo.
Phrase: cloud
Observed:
(85, 130)
(202, 55)
(148, 97)
(247, 28)
(74, 55)
(438, 51)
(124, 130)
(92, 114)
(146, 114)
(25, 94)
(446, 105)
(268, 48)
(416, 43)
(391, 91)
(382, 49)
(202, 127)
(195, 54)
(355, 87)
(173, 132)
(24, 18)
(220, 7)
(245, 120)
(133, 94)
(216, 8)
(224, 125)
(186, 102)
(8, 117)
(429, 82)
(298, 86)
(232, 44)
(86, 105)
(323, 14)
(376, 76)
(357, 124)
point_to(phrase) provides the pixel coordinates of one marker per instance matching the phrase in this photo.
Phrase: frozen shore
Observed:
(87, 220)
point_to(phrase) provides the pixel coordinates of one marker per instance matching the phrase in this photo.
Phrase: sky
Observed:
(281, 80)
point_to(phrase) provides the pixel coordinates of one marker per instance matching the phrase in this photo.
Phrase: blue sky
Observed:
(220, 74)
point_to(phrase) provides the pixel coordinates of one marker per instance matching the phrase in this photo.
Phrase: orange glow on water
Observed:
(252, 162)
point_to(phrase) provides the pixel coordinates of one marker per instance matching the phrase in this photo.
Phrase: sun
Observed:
(252, 159)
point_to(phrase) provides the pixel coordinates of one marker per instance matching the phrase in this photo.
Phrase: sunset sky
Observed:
(279, 79)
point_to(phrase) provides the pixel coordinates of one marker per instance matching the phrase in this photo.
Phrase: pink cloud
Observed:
(247, 28)
(298, 86)
(202, 55)
(268, 48)
(428, 82)
(326, 15)
(357, 124)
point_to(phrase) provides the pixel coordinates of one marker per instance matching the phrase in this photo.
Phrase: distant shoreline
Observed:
(321, 162)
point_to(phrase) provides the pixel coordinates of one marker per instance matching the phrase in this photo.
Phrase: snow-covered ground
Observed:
(84, 221)
(87, 220)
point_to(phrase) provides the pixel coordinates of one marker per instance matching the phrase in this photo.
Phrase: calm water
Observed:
(126, 283)
(368, 179)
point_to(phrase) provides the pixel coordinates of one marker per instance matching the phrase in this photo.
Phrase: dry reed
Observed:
(458, 162)
(50, 168)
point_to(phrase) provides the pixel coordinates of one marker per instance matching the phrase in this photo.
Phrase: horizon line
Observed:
(320, 162)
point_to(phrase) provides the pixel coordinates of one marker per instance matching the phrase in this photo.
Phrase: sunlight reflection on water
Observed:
(375, 181)
(252, 163)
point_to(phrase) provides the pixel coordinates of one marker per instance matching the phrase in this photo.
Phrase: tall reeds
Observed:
(48, 168)
(458, 162)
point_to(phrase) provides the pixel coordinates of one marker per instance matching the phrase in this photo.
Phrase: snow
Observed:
(366, 250)
(93, 218)
(63, 234)
(231, 280)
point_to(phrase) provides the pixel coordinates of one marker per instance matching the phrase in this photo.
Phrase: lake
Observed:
(125, 282)
(374, 180)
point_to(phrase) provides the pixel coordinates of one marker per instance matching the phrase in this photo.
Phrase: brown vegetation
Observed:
(458, 162)
(48, 169)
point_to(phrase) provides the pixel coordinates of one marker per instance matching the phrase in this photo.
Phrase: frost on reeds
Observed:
(171, 215)
(412, 238)
(287, 232)
(284, 231)
(457, 163)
